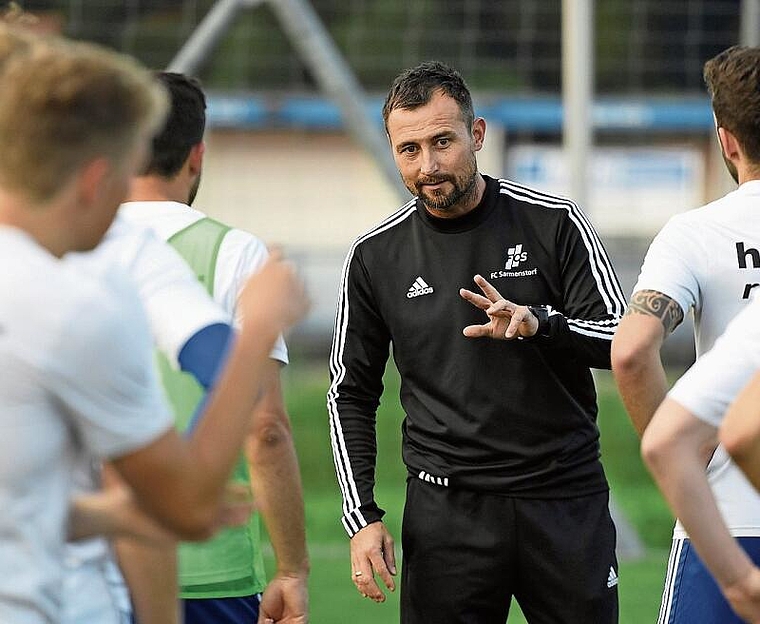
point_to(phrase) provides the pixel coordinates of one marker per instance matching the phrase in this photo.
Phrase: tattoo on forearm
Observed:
(656, 304)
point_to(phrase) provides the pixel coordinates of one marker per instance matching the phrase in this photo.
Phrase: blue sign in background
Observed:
(539, 114)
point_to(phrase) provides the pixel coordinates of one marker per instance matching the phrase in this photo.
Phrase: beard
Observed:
(194, 190)
(731, 169)
(464, 187)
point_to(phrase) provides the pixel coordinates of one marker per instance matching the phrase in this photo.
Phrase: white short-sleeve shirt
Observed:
(707, 389)
(708, 261)
(77, 382)
(712, 383)
(240, 255)
(177, 305)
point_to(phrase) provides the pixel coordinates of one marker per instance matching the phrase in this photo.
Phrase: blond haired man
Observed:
(74, 125)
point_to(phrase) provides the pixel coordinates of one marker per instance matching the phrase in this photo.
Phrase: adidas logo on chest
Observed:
(418, 289)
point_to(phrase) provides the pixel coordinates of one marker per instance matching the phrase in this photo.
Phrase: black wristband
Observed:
(542, 314)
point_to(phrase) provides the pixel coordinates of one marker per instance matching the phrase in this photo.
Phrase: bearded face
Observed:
(434, 150)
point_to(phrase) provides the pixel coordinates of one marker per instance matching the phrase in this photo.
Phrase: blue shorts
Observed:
(691, 596)
(243, 610)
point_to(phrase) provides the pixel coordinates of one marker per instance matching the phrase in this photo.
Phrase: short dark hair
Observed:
(184, 126)
(733, 81)
(415, 87)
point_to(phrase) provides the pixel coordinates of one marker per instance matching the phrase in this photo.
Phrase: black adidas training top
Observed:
(517, 417)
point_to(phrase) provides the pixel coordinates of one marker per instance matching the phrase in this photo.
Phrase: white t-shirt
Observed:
(240, 255)
(77, 381)
(711, 385)
(708, 261)
(177, 306)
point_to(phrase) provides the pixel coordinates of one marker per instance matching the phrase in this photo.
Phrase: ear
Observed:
(89, 181)
(195, 158)
(478, 133)
(729, 145)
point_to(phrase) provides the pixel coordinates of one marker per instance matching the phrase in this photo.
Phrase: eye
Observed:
(444, 142)
(408, 150)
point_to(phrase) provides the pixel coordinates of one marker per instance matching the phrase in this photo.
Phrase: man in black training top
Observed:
(506, 495)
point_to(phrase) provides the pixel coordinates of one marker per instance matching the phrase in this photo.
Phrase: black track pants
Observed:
(465, 554)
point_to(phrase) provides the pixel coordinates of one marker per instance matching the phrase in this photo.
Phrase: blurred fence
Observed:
(269, 126)
(646, 46)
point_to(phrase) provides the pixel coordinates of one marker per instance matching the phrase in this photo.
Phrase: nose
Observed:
(428, 162)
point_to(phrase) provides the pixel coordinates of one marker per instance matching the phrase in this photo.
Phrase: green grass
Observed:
(332, 595)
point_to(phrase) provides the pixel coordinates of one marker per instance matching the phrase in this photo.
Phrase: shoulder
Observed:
(40, 295)
(544, 209)
(388, 226)
(240, 255)
(84, 284)
(136, 251)
(73, 311)
(534, 198)
(694, 223)
(106, 334)
(548, 214)
(166, 218)
(721, 210)
(126, 243)
(239, 243)
(106, 301)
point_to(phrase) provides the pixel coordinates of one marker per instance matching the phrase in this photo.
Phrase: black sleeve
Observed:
(359, 354)
(593, 302)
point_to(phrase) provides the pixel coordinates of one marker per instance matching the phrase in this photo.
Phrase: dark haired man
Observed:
(221, 580)
(506, 495)
(706, 261)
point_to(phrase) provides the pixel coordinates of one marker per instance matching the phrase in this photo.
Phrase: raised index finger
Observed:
(488, 290)
(475, 299)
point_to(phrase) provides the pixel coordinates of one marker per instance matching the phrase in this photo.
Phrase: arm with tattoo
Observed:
(636, 362)
(658, 305)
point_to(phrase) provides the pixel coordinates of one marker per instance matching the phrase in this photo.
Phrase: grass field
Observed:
(333, 597)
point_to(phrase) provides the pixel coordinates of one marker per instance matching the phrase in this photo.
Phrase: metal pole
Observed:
(750, 24)
(577, 134)
(318, 51)
(208, 33)
(577, 80)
